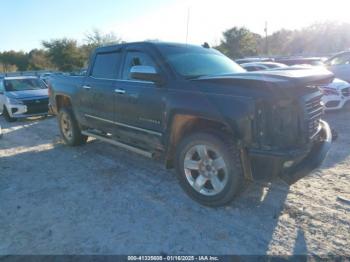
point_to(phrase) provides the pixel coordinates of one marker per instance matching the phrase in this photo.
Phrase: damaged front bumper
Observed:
(314, 159)
(291, 166)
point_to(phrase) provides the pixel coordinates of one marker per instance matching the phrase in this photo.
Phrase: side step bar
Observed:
(116, 143)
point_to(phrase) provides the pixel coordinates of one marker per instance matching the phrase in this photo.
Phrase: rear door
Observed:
(97, 92)
(140, 104)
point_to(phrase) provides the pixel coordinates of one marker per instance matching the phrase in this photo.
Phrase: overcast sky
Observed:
(25, 23)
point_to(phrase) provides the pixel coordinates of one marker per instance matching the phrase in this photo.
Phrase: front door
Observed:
(140, 105)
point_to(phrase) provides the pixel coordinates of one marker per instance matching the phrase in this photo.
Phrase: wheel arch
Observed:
(185, 124)
(62, 101)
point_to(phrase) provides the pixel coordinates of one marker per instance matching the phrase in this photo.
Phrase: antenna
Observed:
(188, 23)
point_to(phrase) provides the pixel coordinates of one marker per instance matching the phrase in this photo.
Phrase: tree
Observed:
(39, 60)
(279, 42)
(7, 68)
(19, 59)
(318, 39)
(64, 54)
(96, 38)
(239, 42)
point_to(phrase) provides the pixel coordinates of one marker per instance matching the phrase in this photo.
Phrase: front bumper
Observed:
(301, 162)
(313, 160)
(334, 102)
(21, 111)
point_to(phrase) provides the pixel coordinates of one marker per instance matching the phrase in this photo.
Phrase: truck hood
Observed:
(281, 78)
(27, 94)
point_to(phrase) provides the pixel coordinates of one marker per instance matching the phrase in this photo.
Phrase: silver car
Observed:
(340, 65)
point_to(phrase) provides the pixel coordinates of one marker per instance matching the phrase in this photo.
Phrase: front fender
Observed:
(234, 112)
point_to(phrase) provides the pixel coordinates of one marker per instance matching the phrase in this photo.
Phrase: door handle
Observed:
(87, 87)
(120, 91)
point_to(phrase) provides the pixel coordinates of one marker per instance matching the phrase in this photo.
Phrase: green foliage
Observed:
(7, 68)
(39, 60)
(64, 54)
(96, 38)
(318, 39)
(58, 54)
(19, 59)
(239, 42)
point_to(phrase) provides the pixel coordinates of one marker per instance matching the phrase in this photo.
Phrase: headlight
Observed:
(13, 101)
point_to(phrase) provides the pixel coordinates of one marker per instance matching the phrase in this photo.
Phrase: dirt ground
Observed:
(99, 199)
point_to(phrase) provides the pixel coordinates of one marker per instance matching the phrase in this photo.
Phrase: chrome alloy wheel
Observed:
(205, 170)
(66, 125)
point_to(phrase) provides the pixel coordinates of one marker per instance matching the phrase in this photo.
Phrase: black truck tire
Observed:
(209, 168)
(7, 116)
(69, 128)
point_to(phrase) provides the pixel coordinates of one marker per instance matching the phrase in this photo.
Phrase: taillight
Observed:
(329, 92)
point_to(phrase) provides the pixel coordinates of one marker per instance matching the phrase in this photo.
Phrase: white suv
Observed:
(22, 97)
(336, 94)
(340, 65)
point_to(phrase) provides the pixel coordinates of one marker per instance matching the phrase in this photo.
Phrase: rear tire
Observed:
(7, 116)
(209, 168)
(69, 128)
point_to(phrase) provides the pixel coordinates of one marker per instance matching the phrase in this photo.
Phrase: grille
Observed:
(37, 106)
(314, 110)
(346, 91)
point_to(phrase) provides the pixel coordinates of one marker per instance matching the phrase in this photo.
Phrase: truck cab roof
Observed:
(109, 48)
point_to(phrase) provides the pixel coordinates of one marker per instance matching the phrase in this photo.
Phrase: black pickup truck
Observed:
(198, 111)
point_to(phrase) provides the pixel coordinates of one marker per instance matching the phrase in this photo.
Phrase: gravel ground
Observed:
(99, 199)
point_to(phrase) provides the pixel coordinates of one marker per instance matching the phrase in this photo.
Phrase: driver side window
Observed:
(136, 59)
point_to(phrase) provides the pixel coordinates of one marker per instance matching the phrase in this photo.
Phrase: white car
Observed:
(336, 94)
(261, 66)
(339, 65)
(22, 97)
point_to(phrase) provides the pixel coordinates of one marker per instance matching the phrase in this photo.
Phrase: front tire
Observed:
(7, 116)
(209, 168)
(69, 128)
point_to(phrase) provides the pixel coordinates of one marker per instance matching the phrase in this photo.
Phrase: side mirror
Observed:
(145, 73)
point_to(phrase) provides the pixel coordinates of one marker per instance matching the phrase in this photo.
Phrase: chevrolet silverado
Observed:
(197, 111)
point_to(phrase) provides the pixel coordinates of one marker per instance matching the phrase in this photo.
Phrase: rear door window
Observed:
(106, 65)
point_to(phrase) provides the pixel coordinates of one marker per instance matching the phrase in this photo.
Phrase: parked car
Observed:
(340, 65)
(336, 94)
(22, 97)
(253, 59)
(258, 66)
(45, 77)
(198, 111)
(291, 61)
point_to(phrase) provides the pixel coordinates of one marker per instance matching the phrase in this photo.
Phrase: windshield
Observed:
(23, 84)
(193, 62)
